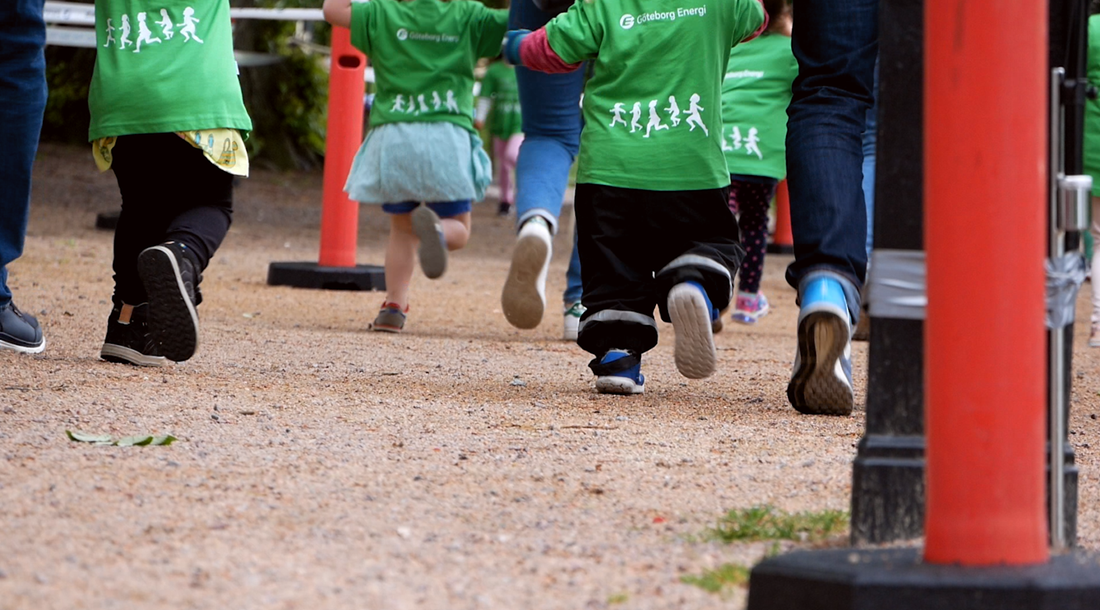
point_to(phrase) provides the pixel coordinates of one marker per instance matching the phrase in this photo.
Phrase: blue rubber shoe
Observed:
(821, 382)
(692, 317)
(619, 372)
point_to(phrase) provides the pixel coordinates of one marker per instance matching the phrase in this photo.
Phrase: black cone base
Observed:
(895, 579)
(312, 275)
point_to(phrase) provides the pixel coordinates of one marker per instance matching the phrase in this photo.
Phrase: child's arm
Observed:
(532, 50)
(337, 12)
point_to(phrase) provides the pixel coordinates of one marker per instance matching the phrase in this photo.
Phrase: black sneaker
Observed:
(128, 340)
(504, 208)
(171, 279)
(19, 331)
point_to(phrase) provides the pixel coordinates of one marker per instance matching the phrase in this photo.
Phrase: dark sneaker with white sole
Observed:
(128, 340)
(619, 371)
(171, 281)
(19, 331)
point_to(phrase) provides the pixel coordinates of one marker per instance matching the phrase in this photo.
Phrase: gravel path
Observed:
(463, 464)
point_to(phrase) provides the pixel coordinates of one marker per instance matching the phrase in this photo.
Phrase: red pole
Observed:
(340, 215)
(986, 82)
(783, 236)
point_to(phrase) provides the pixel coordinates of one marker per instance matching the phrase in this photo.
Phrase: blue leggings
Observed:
(552, 135)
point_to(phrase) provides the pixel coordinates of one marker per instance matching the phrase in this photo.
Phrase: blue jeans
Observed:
(573, 287)
(22, 102)
(870, 143)
(835, 43)
(551, 138)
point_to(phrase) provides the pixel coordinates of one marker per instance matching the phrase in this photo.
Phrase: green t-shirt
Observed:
(1092, 108)
(500, 84)
(164, 67)
(424, 52)
(652, 108)
(755, 96)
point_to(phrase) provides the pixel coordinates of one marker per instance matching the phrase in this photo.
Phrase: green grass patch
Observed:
(770, 523)
(725, 576)
(617, 598)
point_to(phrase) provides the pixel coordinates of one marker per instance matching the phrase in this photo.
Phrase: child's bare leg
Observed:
(400, 259)
(456, 231)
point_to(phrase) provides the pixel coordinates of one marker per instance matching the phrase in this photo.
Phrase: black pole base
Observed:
(896, 579)
(106, 221)
(774, 248)
(313, 275)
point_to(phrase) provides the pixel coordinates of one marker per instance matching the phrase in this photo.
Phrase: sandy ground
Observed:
(463, 464)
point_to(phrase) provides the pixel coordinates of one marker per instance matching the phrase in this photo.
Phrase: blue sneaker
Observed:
(693, 316)
(619, 372)
(821, 383)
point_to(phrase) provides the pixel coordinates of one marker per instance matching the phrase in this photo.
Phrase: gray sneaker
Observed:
(433, 248)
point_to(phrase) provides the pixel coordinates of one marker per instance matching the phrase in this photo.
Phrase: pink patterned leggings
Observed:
(505, 153)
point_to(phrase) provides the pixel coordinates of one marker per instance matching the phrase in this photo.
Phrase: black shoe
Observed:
(171, 279)
(128, 340)
(19, 331)
(504, 208)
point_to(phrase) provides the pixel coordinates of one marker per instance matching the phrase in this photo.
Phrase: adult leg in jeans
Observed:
(552, 128)
(835, 43)
(22, 102)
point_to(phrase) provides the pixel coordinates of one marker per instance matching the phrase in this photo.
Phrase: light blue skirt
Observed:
(419, 162)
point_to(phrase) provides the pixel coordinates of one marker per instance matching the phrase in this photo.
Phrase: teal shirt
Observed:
(424, 53)
(164, 67)
(652, 108)
(755, 94)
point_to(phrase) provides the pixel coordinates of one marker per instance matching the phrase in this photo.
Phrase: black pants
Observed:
(170, 192)
(635, 245)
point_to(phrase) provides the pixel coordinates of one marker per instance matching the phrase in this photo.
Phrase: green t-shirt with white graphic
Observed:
(164, 67)
(500, 84)
(755, 96)
(1092, 109)
(652, 108)
(424, 52)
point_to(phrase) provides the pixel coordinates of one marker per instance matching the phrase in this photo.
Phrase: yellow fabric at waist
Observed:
(223, 147)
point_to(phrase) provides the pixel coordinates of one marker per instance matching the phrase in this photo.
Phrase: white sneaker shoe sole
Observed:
(818, 385)
(696, 356)
(523, 299)
(22, 349)
(612, 384)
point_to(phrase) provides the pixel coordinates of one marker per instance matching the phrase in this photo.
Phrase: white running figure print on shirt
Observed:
(144, 34)
(750, 143)
(124, 38)
(110, 33)
(725, 146)
(437, 102)
(736, 138)
(635, 115)
(617, 115)
(423, 104)
(398, 104)
(187, 28)
(673, 110)
(654, 119)
(165, 24)
(693, 115)
(452, 103)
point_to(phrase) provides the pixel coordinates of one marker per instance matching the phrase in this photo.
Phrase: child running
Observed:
(755, 96)
(422, 146)
(169, 120)
(652, 183)
(499, 103)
